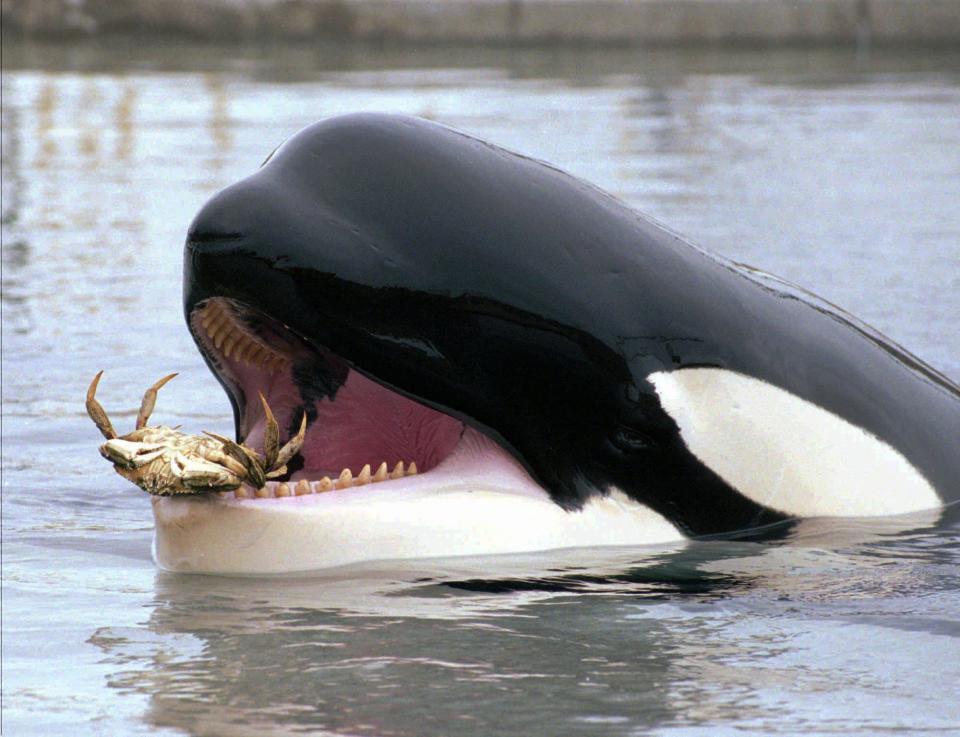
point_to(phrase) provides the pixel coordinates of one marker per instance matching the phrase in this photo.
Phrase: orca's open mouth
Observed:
(359, 432)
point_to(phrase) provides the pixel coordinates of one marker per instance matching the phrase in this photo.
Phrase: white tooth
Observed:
(248, 351)
(222, 332)
(257, 354)
(283, 490)
(230, 342)
(381, 474)
(412, 469)
(210, 312)
(265, 358)
(212, 330)
(213, 317)
(243, 347)
(243, 351)
(346, 479)
(264, 492)
(303, 488)
(397, 471)
(364, 477)
(240, 347)
(324, 484)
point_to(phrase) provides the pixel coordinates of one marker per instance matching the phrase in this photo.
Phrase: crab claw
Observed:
(130, 454)
(292, 447)
(201, 475)
(271, 435)
(96, 411)
(247, 458)
(150, 401)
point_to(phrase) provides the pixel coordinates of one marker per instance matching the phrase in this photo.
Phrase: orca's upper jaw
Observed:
(359, 283)
(359, 432)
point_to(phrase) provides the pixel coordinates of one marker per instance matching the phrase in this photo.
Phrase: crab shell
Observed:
(167, 462)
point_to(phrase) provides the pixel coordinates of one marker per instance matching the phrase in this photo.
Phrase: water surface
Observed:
(839, 173)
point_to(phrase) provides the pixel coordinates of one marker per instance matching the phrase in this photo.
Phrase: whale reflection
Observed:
(647, 637)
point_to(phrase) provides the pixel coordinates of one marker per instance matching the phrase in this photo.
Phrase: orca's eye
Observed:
(631, 440)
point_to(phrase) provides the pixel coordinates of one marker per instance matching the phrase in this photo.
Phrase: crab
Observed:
(164, 461)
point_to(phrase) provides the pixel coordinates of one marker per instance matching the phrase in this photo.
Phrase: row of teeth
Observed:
(303, 487)
(229, 337)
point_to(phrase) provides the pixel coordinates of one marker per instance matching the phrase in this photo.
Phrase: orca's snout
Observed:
(232, 214)
(234, 244)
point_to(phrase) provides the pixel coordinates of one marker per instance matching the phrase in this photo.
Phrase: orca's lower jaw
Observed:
(379, 475)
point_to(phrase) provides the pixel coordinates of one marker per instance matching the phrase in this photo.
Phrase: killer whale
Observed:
(427, 297)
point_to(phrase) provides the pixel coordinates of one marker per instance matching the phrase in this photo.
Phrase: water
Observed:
(839, 173)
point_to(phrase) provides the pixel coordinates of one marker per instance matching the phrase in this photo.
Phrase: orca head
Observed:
(413, 292)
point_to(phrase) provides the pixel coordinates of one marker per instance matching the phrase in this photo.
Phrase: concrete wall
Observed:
(503, 21)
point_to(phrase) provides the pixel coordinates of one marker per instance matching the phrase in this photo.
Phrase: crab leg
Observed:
(288, 451)
(222, 459)
(271, 436)
(292, 446)
(149, 401)
(96, 411)
(245, 456)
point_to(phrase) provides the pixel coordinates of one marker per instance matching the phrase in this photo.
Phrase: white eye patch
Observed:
(786, 453)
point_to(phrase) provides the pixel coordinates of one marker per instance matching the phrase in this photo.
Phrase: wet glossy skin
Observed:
(533, 306)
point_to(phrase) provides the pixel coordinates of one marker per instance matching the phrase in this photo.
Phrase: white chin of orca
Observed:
(479, 500)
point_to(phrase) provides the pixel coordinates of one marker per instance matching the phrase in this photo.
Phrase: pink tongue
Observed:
(366, 423)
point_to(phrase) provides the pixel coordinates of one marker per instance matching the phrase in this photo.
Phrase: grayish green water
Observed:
(840, 174)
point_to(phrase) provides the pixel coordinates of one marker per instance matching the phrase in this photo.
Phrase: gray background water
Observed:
(839, 173)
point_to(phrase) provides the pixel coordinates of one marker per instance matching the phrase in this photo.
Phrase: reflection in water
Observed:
(632, 641)
(123, 120)
(220, 128)
(43, 110)
(15, 253)
(88, 143)
(838, 177)
(362, 654)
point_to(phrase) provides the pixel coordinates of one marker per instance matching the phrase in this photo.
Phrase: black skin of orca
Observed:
(534, 306)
